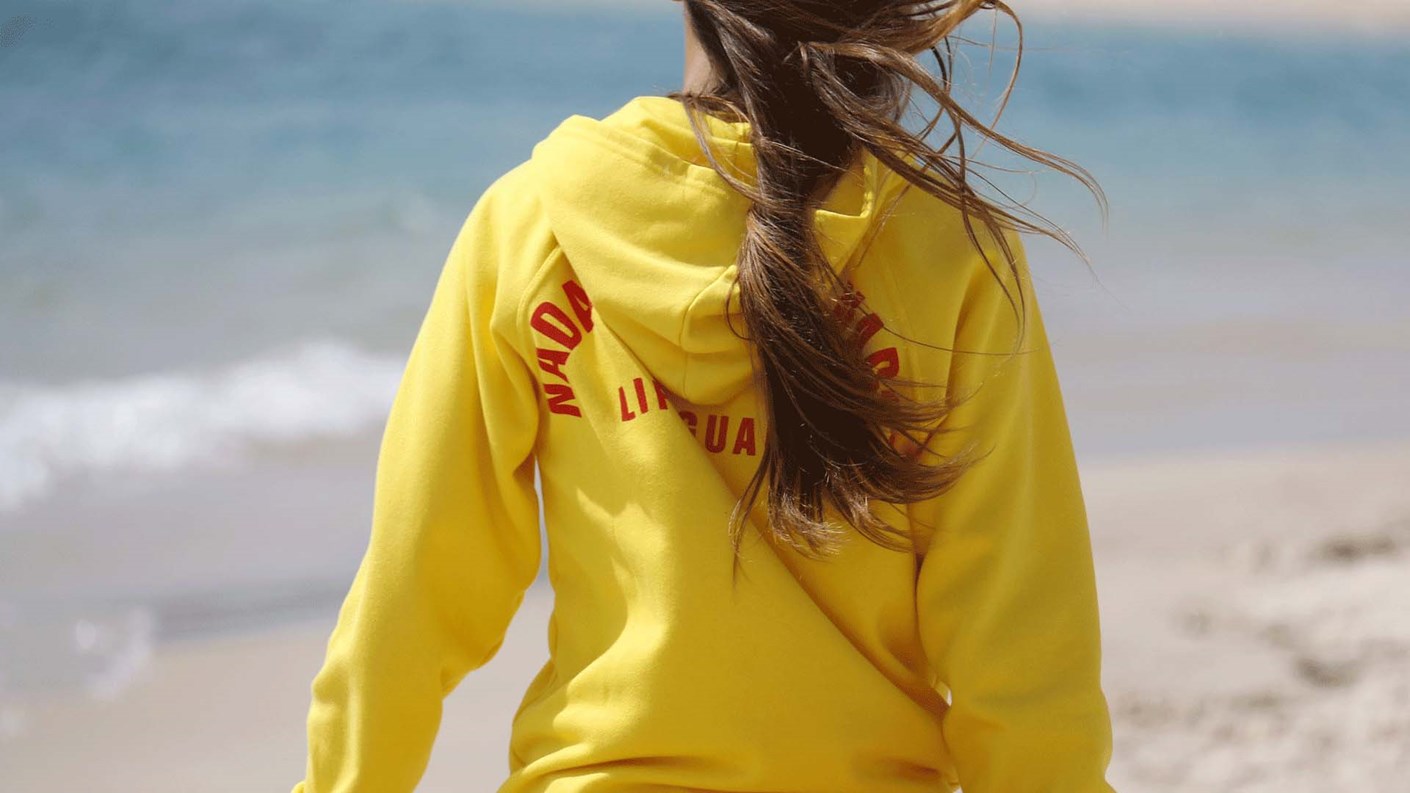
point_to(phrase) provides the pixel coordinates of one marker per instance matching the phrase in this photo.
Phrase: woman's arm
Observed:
(454, 540)
(1006, 594)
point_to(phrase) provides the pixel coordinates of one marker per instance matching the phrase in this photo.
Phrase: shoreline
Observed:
(1370, 18)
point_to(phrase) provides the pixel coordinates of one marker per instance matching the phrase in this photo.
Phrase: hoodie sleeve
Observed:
(1006, 593)
(454, 538)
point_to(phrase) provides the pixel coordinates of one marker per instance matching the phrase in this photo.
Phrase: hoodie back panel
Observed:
(583, 323)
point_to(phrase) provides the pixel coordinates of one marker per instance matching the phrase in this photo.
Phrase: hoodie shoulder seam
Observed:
(526, 280)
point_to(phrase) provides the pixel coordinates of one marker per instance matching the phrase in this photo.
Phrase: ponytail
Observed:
(818, 82)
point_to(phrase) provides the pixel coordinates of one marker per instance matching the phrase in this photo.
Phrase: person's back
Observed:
(588, 319)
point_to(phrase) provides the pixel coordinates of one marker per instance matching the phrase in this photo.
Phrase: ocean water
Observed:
(221, 224)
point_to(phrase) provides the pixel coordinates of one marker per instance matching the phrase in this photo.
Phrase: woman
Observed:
(730, 292)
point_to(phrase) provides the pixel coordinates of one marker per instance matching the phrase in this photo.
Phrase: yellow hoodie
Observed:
(580, 322)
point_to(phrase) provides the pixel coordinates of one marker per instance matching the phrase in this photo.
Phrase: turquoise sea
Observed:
(221, 223)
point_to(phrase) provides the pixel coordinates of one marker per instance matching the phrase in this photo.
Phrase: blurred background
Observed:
(221, 224)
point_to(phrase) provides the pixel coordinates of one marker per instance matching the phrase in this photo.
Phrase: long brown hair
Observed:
(818, 81)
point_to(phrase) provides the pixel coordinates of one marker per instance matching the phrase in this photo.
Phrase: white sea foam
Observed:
(120, 648)
(166, 421)
(102, 650)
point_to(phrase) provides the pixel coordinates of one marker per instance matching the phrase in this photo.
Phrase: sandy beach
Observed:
(1256, 624)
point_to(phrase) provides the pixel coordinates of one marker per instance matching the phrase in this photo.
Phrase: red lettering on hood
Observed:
(744, 441)
(561, 331)
(560, 400)
(578, 299)
(565, 332)
(717, 427)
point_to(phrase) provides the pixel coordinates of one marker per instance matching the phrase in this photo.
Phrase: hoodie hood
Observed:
(653, 233)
